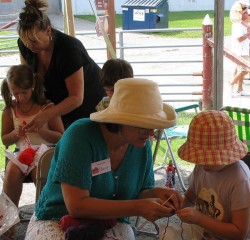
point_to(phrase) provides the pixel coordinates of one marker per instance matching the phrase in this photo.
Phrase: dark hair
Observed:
(113, 127)
(33, 15)
(115, 69)
(22, 76)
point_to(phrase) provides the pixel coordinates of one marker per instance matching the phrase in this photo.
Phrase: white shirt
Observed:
(239, 48)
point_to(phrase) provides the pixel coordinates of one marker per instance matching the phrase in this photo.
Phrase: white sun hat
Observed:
(245, 2)
(137, 102)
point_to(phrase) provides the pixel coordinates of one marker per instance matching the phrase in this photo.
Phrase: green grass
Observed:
(184, 118)
(179, 20)
(9, 44)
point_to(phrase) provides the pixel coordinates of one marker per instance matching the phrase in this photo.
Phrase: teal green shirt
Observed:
(80, 146)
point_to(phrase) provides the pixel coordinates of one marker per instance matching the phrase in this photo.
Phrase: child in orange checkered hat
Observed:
(218, 197)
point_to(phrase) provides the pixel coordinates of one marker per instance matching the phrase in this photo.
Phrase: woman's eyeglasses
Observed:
(144, 131)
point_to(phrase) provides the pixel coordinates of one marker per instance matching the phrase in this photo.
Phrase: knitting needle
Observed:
(161, 205)
(171, 206)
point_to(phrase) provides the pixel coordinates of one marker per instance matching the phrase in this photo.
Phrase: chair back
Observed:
(42, 170)
(241, 120)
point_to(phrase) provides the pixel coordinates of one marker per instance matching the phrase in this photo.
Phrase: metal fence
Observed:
(175, 64)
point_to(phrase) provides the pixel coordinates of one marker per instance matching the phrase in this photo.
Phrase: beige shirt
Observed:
(34, 137)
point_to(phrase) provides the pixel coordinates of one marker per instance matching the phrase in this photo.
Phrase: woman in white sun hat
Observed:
(219, 186)
(102, 168)
(236, 11)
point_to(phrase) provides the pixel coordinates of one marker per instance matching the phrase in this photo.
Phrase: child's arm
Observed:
(9, 134)
(55, 130)
(189, 199)
(234, 230)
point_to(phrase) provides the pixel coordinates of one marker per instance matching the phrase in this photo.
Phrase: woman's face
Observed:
(136, 136)
(37, 40)
(20, 94)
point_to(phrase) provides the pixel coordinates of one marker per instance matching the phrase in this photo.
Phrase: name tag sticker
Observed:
(100, 167)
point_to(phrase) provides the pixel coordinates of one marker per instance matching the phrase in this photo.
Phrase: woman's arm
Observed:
(9, 134)
(55, 130)
(81, 205)
(75, 86)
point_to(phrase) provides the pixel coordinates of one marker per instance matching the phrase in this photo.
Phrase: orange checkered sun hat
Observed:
(212, 140)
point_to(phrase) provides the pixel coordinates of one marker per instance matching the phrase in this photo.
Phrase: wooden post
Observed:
(218, 54)
(111, 22)
(69, 26)
(111, 47)
(207, 32)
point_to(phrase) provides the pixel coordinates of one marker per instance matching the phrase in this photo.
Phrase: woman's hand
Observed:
(175, 200)
(159, 202)
(37, 122)
(152, 209)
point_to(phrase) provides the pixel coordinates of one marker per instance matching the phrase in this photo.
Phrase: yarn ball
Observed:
(27, 156)
(68, 221)
(85, 232)
(92, 230)
(85, 229)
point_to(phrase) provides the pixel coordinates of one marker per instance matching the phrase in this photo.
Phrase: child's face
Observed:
(20, 94)
(109, 91)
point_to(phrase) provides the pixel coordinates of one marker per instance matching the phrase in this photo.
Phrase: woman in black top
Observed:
(71, 77)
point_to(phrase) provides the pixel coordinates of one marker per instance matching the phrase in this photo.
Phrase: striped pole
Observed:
(207, 74)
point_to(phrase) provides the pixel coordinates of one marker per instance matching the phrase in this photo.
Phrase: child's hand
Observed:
(189, 215)
(19, 131)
